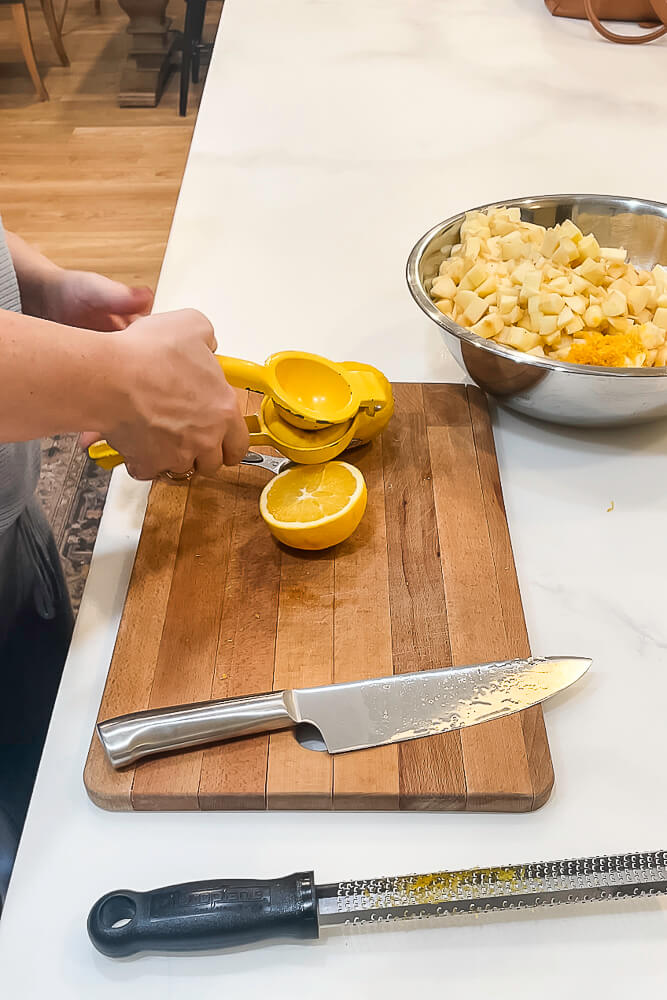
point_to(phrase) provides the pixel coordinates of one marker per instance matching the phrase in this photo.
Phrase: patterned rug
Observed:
(72, 490)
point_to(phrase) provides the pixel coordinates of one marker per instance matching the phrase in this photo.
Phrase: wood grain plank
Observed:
(186, 660)
(298, 778)
(431, 770)
(233, 774)
(494, 754)
(130, 677)
(540, 766)
(367, 779)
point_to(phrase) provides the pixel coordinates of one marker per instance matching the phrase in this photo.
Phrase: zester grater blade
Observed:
(480, 890)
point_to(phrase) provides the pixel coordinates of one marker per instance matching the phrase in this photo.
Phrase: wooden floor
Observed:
(93, 186)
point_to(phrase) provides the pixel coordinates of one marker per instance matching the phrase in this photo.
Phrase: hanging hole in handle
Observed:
(117, 912)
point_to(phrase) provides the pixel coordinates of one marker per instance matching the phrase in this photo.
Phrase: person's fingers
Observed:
(89, 437)
(236, 441)
(209, 461)
(141, 473)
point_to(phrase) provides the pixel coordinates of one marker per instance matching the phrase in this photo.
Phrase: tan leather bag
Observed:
(646, 12)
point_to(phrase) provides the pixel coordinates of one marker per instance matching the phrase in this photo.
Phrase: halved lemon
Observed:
(314, 506)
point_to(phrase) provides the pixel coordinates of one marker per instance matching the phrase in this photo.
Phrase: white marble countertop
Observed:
(331, 135)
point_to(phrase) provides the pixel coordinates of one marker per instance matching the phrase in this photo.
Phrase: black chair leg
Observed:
(198, 32)
(186, 59)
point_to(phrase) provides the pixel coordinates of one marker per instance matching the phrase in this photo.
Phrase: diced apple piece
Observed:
(551, 303)
(506, 304)
(565, 252)
(534, 305)
(472, 247)
(661, 357)
(445, 306)
(564, 316)
(637, 297)
(489, 326)
(644, 276)
(571, 231)
(589, 247)
(661, 301)
(521, 271)
(615, 255)
(488, 286)
(621, 285)
(514, 316)
(615, 271)
(621, 324)
(537, 352)
(660, 318)
(520, 339)
(580, 284)
(659, 274)
(475, 276)
(443, 287)
(531, 284)
(577, 303)
(553, 339)
(651, 335)
(591, 270)
(615, 304)
(454, 267)
(631, 275)
(575, 325)
(547, 325)
(645, 316)
(513, 247)
(650, 358)
(562, 285)
(550, 242)
(464, 297)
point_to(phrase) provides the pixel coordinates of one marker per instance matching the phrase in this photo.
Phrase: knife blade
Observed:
(353, 716)
(229, 912)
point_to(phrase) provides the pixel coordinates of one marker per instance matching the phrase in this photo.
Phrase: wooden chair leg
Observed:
(25, 38)
(98, 6)
(186, 59)
(54, 30)
(61, 20)
(198, 31)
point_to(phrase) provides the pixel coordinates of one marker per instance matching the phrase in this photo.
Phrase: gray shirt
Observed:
(19, 463)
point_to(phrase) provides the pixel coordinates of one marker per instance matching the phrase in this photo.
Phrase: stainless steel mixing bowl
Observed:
(554, 390)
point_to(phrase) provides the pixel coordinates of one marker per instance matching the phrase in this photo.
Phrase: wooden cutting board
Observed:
(216, 608)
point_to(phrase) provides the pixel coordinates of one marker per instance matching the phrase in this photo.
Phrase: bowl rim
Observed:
(427, 305)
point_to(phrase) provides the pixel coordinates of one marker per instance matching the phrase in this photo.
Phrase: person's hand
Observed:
(91, 301)
(176, 410)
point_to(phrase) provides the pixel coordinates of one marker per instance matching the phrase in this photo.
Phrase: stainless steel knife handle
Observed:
(128, 738)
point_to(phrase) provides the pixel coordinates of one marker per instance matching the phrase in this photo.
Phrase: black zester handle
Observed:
(201, 915)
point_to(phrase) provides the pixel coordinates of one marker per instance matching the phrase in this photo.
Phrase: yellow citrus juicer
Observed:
(339, 403)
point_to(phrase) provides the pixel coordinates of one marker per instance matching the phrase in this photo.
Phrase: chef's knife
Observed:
(350, 716)
(227, 912)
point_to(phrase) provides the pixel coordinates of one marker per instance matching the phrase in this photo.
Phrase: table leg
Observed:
(149, 59)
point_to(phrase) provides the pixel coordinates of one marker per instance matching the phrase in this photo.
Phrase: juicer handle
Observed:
(108, 458)
(244, 374)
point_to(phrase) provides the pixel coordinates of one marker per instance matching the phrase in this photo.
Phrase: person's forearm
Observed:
(56, 379)
(33, 272)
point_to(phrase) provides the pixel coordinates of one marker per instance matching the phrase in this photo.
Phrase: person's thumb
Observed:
(123, 300)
